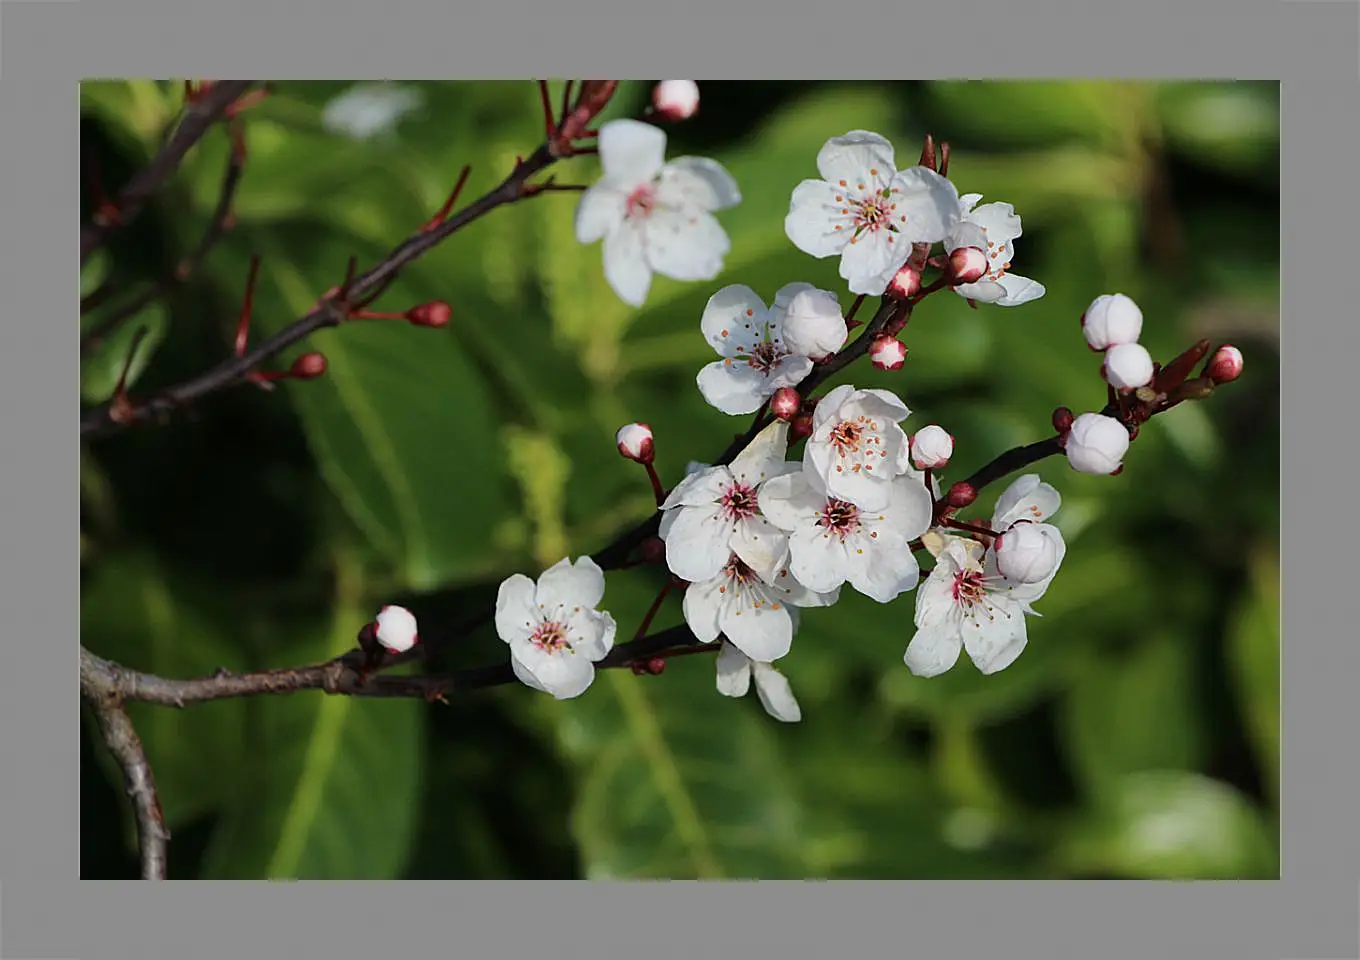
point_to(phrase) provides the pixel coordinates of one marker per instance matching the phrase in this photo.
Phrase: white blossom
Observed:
(756, 359)
(857, 446)
(993, 228)
(654, 216)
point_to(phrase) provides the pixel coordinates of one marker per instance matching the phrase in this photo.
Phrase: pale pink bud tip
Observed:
(1127, 366)
(960, 495)
(1026, 553)
(676, 99)
(396, 629)
(931, 448)
(308, 366)
(906, 283)
(887, 353)
(1111, 319)
(635, 442)
(436, 313)
(967, 265)
(1096, 444)
(1226, 364)
(785, 403)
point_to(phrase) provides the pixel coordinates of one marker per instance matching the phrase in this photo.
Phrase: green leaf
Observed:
(1135, 712)
(1172, 825)
(102, 366)
(1254, 659)
(332, 789)
(145, 618)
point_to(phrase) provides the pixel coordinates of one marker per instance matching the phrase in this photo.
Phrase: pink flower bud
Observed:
(308, 366)
(931, 448)
(813, 325)
(1110, 320)
(906, 283)
(1096, 444)
(785, 403)
(676, 99)
(635, 442)
(436, 313)
(887, 353)
(800, 427)
(1225, 365)
(967, 265)
(960, 495)
(396, 629)
(1127, 366)
(1026, 553)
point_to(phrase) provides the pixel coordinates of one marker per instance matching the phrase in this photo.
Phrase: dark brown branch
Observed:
(217, 227)
(97, 421)
(99, 687)
(198, 118)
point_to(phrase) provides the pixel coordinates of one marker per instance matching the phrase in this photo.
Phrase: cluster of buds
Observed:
(1113, 324)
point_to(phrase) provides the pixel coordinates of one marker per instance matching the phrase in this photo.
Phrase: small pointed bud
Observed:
(1127, 366)
(800, 426)
(1096, 444)
(785, 403)
(436, 313)
(308, 366)
(906, 283)
(1110, 320)
(1225, 365)
(395, 629)
(1062, 419)
(656, 665)
(813, 325)
(931, 448)
(928, 153)
(967, 265)
(676, 99)
(1026, 553)
(960, 495)
(635, 442)
(887, 353)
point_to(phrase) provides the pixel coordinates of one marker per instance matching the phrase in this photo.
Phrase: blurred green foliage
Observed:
(1138, 736)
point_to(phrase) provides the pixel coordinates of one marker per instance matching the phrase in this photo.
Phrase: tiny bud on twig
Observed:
(785, 403)
(676, 99)
(1062, 419)
(887, 352)
(1225, 365)
(308, 366)
(960, 495)
(635, 442)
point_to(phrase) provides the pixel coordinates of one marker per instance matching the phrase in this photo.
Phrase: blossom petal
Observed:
(565, 584)
(933, 650)
(563, 674)
(698, 182)
(775, 694)
(734, 671)
(761, 546)
(764, 632)
(1027, 498)
(516, 608)
(782, 298)
(525, 675)
(631, 152)
(686, 244)
(869, 263)
(930, 203)
(591, 633)
(911, 509)
(734, 387)
(703, 486)
(885, 572)
(1019, 290)
(935, 602)
(966, 234)
(812, 220)
(984, 291)
(818, 560)
(854, 155)
(697, 543)
(703, 606)
(625, 265)
(733, 318)
(993, 643)
(763, 455)
(601, 210)
(998, 220)
(789, 502)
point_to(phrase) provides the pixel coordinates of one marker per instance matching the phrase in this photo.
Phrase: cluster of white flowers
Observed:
(1112, 324)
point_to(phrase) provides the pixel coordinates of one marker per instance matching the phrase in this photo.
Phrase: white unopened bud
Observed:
(676, 99)
(1027, 552)
(396, 629)
(967, 264)
(1096, 444)
(887, 353)
(931, 448)
(635, 442)
(1110, 320)
(1127, 366)
(1225, 365)
(813, 325)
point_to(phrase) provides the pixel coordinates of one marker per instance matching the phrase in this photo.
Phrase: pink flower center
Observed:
(739, 502)
(839, 517)
(858, 440)
(765, 356)
(641, 202)
(550, 637)
(969, 587)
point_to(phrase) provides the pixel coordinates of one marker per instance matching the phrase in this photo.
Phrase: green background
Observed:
(1138, 736)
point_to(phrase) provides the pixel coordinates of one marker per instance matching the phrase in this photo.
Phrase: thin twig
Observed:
(198, 118)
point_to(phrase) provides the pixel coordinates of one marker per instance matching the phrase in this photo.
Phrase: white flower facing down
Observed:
(735, 672)
(715, 512)
(857, 446)
(753, 612)
(554, 632)
(993, 228)
(654, 216)
(867, 212)
(833, 541)
(750, 339)
(367, 110)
